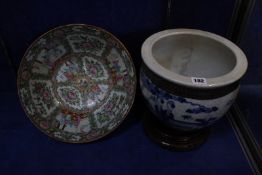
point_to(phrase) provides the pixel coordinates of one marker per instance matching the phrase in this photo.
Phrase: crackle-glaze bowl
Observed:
(190, 78)
(76, 83)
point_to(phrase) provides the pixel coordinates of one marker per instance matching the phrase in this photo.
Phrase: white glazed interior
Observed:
(193, 55)
(179, 54)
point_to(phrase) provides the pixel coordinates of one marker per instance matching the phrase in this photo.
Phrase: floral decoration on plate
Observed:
(76, 83)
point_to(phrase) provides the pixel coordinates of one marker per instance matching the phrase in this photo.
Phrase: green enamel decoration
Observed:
(76, 83)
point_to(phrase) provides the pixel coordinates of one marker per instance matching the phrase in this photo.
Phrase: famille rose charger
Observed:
(76, 83)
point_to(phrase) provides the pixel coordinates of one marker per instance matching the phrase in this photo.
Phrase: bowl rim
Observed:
(18, 78)
(230, 77)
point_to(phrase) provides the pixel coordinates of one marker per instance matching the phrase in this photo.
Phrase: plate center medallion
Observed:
(80, 82)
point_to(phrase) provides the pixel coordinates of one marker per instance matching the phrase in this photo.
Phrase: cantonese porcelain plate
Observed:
(76, 83)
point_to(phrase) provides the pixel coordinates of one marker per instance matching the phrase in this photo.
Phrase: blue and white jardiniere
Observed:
(190, 78)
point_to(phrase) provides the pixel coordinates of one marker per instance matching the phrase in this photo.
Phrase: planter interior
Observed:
(193, 55)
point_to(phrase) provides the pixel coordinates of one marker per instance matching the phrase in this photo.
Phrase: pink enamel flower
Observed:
(44, 124)
(71, 95)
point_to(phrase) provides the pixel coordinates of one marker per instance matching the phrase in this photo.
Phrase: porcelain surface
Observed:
(178, 55)
(76, 83)
(192, 55)
(191, 61)
(184, 113)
